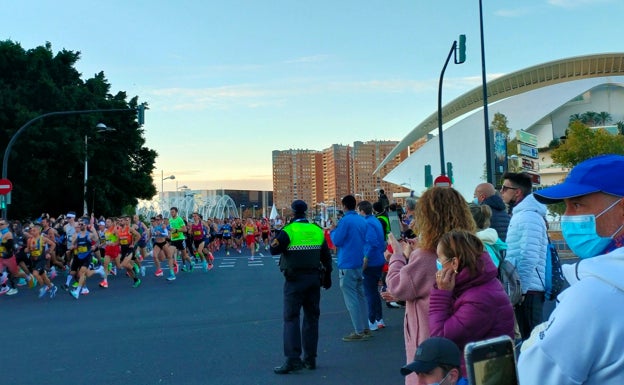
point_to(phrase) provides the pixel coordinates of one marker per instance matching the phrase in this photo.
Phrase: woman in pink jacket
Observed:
(412, 266)
(468, 302)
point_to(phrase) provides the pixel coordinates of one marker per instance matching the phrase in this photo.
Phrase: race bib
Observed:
(123, 241)
(82, 249)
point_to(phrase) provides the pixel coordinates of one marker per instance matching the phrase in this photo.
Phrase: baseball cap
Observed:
(71, 214)
(597, 174)
(299, 206)
(432, 353)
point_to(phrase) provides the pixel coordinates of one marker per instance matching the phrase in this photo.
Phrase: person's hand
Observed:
(397, 247)
(445, 279)
(388, 297)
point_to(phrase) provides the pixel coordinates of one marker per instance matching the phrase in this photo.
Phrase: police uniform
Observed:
(306, 264)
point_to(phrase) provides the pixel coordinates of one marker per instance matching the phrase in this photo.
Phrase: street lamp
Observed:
(241, 211)
(101, 127)
(162, 184)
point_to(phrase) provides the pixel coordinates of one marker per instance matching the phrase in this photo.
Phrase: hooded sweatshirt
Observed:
(583, 340)
(493, 244)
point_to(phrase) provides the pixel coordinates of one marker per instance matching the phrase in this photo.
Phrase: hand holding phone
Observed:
(492, 361)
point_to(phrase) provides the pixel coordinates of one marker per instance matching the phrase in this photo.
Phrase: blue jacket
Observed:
(375, 242)
(349, 237)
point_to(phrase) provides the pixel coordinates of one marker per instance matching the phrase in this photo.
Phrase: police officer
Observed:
(306, 264)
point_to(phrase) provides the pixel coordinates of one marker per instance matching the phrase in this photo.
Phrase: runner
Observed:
(8, 260)
(141, 244)
(83, 245)
(250, 237)
(226, 233)
(162, 250)
(127, 237)
(198, 232)
(178, 240)
(238, 235)
(265, 230)
(36, 246)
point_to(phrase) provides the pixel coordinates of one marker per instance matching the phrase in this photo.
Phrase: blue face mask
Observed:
(442, 381)
(579, 231)
(475, 201)
(439, 265)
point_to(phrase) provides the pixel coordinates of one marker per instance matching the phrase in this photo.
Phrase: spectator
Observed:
(580, 343)
(374, 261)
(436, 362)
(468, 302)
(349, 236)
(493, 244)
(526, 247)
(485, 194)
(411, 274)
(383, 199)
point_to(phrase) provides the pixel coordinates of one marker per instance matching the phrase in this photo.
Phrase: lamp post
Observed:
(241, 211)
(101, 127)
(162, 184)
(489, 161)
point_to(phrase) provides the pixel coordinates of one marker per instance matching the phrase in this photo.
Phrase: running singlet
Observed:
(111, 238)
(238, 231)
(159, 231)
(83, 245)
(176, 224)
(249, 230)
(125, 238)
(198, 231)
(37, 247)
(6, 248)
(226, 230)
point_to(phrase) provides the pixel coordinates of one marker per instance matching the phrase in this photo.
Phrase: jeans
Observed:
(372, 274)
(529, 313)
(351, 284)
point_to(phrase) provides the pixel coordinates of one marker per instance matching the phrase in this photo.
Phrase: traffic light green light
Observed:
(2, 202)
(428, 176)
(449, 171)
(462, 49)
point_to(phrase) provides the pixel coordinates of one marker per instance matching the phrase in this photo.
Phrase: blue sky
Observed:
(229, 81)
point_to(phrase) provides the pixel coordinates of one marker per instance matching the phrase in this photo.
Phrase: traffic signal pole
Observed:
(460, 60)
(7, 151)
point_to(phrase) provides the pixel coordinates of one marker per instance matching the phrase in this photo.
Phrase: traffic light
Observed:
(461, 49)
(141, 114)
(428, 176)
(449, 171)
(2, 202)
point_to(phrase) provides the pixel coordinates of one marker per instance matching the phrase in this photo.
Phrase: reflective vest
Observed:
(304, 250)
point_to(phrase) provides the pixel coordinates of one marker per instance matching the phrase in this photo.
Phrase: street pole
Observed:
(489, 161)
(85, 209)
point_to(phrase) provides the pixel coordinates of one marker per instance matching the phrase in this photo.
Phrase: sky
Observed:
(228, 82)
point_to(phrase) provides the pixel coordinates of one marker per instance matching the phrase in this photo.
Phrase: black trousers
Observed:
(530, 312)
(301, 291)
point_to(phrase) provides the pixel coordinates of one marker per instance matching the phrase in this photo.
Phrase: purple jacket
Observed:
(478, 308)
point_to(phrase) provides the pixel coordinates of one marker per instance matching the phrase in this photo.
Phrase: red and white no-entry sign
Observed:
(5, 186)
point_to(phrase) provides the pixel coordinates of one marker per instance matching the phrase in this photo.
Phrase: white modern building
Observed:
(538, 99)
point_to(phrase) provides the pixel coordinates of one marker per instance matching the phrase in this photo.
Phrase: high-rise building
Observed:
(295, 176)
(366, 157)
(337, 173)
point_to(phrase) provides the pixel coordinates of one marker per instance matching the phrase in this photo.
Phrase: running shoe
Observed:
(65, 287)
(172, 277)
(84, 291)
(210, 257)
(104, 284)
(75, 285)
(53, 291)
(136, 270)
(142, 271)
(205, 265)
(227, 253)
(12, 291)
(74, 293)
(3, 278)
(43, 291)
(185, 269)
(113, 271)
(53, 272)
(137, 283)
(4, 289)
(21, 282)
(158, 273)
(192, 266)
(176, 270)
(380, 324)
(210, 266)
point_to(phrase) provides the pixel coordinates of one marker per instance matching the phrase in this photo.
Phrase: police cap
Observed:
(299, 206)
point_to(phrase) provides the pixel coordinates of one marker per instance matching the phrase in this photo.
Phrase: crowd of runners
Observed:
(70, 250)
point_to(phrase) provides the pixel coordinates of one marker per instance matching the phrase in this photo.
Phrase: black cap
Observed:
(299, 206)
(432, 353)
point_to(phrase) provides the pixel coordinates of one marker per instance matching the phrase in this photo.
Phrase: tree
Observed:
(589, 118)
(583, 143)
(603, 118)
(46, 164)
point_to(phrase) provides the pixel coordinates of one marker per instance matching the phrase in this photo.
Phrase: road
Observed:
(219, 327)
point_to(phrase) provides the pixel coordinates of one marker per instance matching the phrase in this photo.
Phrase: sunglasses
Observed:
(505, 188)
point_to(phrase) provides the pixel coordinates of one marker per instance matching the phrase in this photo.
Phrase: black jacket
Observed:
(500, 218)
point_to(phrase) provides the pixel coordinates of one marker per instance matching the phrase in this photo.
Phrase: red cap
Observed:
(442, 181)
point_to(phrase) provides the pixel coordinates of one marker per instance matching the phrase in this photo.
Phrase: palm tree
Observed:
(590, 118)
(576, 117)
(603, 118)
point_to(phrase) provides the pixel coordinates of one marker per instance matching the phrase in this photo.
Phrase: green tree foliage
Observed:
(46, 164)
(583, 143)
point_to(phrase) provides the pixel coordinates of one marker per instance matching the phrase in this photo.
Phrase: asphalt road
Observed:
(219, 327)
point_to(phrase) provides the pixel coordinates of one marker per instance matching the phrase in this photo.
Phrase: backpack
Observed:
(508, 276)
(554, 282)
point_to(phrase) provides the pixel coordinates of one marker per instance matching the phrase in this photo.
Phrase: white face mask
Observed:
(444, 379)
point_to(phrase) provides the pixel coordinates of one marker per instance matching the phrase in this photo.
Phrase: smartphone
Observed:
(492, 361)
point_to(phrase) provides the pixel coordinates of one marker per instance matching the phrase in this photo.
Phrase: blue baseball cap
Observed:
(598, 174)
